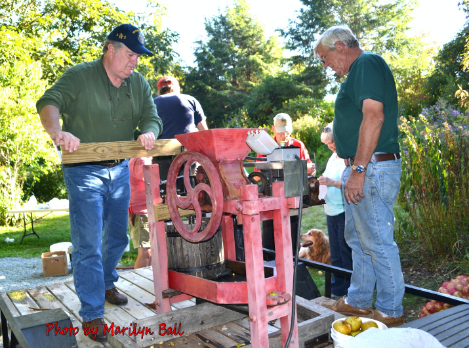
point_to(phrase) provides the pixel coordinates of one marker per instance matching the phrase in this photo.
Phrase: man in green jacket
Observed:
(100, 101)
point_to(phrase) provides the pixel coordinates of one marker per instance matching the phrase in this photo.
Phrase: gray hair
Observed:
(327, 133)
(117, 44)
(333, 34)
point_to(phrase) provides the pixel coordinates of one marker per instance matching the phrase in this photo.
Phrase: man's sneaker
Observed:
(93, 327)
(346, 309)
(112, 296)
(389, 321)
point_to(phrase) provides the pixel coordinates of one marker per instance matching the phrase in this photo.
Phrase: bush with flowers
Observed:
(434, 188)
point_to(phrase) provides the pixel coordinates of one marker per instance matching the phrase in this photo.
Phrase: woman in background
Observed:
(334, 210)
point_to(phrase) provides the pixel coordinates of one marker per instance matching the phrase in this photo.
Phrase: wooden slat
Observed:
(458, 334)
(235, 332)
(99, 151)
(116, 314)
(192, 319)
(138, 280)
(45, 299)
(245, 323)
(162, 213)
(186, 341)
(22, 301)
(214, 339)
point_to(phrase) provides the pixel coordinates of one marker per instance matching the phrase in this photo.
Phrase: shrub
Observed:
(434, 187)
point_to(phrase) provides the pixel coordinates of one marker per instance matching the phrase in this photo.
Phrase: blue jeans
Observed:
(369, 232)
(340, 253)
(98, 204)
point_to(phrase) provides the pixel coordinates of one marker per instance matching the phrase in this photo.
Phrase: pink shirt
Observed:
(137, 204)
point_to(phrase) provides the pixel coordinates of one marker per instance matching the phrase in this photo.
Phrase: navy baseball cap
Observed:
(130, 36)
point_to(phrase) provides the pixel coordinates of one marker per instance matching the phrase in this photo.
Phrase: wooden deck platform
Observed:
(224, 327)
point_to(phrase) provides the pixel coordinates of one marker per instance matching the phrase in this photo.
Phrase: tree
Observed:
(234, 59)
(72, 31)
(449, 73)
(23, 144)
(40, 39)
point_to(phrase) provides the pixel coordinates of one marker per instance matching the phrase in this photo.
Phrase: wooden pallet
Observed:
(222, 327)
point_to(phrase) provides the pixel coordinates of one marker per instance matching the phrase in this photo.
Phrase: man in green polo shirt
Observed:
(366, 137)
(100, 101)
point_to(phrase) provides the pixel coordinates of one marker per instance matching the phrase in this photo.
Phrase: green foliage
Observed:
(40, 39)
(235, 58)
(273, 92)
(23, 143)
(308, 129)
(378, 25)
(70, 32)
(47, 186)
(434, 192)
(449, 72)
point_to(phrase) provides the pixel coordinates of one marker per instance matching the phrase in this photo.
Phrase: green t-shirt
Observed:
(94, 110)
(369, 77)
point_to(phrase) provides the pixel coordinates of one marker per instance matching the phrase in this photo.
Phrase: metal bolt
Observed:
(252, 318)
(148, 183)
(150, 202)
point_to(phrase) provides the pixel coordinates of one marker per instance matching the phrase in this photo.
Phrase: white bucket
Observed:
(62, 247)
(340, 340)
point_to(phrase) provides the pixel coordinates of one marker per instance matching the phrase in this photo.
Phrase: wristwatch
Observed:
(359, 168)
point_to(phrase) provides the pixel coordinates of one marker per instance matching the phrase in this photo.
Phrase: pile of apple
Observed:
(353, 325)
(458, 287)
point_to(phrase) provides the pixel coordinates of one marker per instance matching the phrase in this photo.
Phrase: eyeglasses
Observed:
(128, 96)
(326, 129)
(322, 58)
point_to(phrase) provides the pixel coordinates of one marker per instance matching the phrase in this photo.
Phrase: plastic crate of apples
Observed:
(458, 287)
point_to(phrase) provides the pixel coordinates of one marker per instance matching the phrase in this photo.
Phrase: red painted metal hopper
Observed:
(217, 144)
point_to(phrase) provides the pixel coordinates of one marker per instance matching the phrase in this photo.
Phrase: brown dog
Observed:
(319, 250)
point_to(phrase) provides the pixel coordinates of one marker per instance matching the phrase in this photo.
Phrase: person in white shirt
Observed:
(334, 209)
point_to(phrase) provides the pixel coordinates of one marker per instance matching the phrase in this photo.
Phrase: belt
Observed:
(381, 157)
(107, 163)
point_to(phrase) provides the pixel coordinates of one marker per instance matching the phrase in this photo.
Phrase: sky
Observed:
(442, 19)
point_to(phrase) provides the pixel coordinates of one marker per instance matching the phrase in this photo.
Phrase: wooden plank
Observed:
(11, 307)
(425, 321)
(459, 336)
(214, 339)
(190, 320)
(309, 329)
(146, 272)
(23, 342)
(437, 326)
(185, 303)
(22, 301)
(162, 213)
(114, 314)
(235, 332)
(187, 341)
(463, 343)
(67, 297)
(246, 323)
(140, 295)
(99, 151)
(45, 299)
(140, 281)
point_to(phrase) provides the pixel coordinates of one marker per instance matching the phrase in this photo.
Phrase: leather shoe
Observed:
(346, 309)
(112, 296)
(95, 330)
(389, 321)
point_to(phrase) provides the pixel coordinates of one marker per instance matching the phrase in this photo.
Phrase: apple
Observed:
(458, 294)
(355, 323)
(342, 327)
(445, 284)
(455, 281)
(438, 306)
(430, 307)
(459, 287)
(443, 290)
(426, 312)
(465, 290)
(446, 306)
(451, 288)
(464, 281)
(368, 324)
(354, 333)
